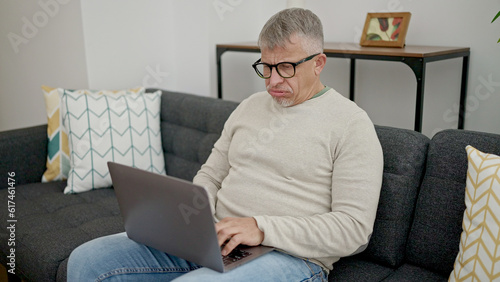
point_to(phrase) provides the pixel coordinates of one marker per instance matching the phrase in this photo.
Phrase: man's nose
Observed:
(275, 77)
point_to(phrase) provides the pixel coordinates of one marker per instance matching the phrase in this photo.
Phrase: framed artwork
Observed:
(385, 29)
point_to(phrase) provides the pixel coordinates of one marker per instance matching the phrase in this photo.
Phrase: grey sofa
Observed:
(416, 233)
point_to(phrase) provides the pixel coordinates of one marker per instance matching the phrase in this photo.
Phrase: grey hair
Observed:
(279, 29)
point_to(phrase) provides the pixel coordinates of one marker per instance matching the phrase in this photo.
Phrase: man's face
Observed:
(297, 89)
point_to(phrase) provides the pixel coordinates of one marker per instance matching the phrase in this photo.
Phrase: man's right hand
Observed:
(238, 230)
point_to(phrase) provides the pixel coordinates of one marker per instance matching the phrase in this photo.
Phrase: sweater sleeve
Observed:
(356, 184)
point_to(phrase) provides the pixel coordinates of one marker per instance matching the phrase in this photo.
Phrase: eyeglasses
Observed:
(284, 69)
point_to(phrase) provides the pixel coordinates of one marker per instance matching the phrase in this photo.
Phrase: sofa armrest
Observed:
(24, 152)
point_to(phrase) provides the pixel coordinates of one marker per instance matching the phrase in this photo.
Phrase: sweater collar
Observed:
(323, 91)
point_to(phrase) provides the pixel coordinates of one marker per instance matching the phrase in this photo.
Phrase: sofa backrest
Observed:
(405, 153)
(190, 125)
(25, 152)
(435, 235)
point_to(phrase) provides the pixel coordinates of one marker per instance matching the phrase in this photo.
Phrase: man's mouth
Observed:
(277, 92)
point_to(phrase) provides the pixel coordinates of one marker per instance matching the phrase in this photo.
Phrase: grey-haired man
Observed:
(297, 167)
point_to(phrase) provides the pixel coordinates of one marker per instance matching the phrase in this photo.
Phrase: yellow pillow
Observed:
(479, 254)
(58, 160)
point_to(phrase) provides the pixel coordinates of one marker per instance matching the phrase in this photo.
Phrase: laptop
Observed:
(173, 215)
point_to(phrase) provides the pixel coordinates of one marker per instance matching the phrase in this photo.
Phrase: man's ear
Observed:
(320, 63)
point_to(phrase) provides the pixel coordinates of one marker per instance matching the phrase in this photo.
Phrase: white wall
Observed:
(40, 44)
(129, 43)
(171, 44)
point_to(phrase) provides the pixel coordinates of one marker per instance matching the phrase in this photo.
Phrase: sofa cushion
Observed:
(404, 159)
(58, 149)
(119, 128)
(409, 272)
(435, 234)
(479, 246)
(358, 269)
(50, 225)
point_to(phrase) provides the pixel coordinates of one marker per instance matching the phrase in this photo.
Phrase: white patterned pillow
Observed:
(477, 259)
(101, 128)
(57, 148)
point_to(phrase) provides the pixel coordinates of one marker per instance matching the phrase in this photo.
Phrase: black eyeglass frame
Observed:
(261, 75)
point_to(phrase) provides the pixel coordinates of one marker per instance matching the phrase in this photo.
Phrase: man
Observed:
(298, 167)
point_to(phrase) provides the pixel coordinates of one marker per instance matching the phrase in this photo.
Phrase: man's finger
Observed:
(230, 245)
(223, 235)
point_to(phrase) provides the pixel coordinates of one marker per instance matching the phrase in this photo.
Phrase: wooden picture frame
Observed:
(385, 29)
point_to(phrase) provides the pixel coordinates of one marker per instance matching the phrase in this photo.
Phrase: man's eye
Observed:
(285, 66)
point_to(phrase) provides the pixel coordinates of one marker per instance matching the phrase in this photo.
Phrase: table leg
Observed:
(419, 108)
(463, 92)
(418, 67)
(352, 79)
(219, 52)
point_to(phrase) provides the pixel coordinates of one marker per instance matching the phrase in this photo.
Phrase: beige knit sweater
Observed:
(309, 174)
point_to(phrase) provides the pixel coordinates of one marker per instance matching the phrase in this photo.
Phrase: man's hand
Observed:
(237, 231)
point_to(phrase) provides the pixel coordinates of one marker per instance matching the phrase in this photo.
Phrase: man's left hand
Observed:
(236, 230)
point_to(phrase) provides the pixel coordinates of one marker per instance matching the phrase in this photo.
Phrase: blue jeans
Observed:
(118, 258)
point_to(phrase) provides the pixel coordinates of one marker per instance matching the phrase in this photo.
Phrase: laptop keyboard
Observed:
(234, 256)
